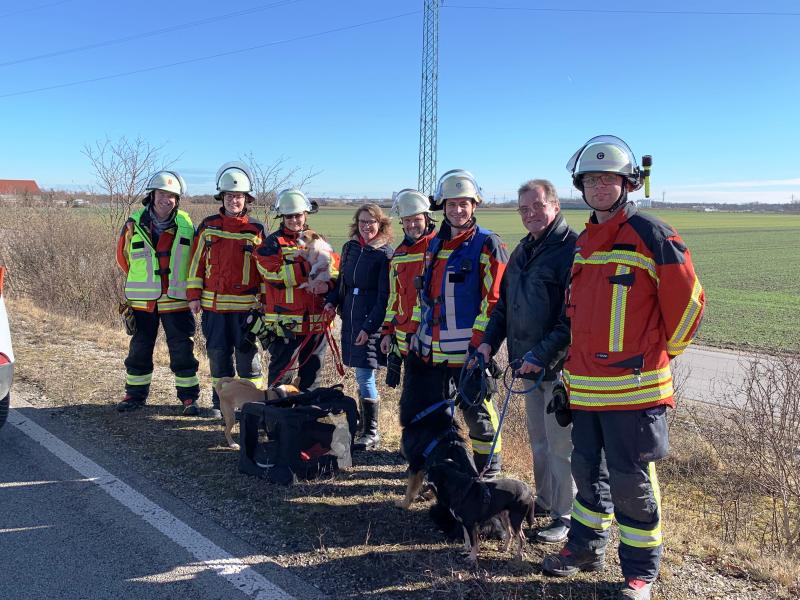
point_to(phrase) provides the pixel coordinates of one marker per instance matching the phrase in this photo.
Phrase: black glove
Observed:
(559, 404)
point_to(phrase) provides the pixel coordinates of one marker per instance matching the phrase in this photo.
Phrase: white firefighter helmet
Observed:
(410, 202)
(234, 177)
(457, 183)
(169, 181)
(291, 202)
(605, 154)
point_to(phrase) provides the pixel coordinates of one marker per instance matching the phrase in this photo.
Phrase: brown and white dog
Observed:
(235, 393)
(318, 253)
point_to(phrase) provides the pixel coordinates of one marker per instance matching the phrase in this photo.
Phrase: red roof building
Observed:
(19, 186)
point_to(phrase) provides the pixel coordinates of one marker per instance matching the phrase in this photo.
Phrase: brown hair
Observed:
(384, 223)
(550, 193)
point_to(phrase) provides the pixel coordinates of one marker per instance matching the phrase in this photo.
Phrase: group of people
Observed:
(602, 313)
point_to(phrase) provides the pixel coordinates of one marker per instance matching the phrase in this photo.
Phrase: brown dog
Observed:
(235, 393)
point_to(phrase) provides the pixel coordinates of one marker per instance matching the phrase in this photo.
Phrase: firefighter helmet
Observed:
(605, 154)
(457, 183)
(292, 201)
(410, 202)
(234, 177)
(168, 181)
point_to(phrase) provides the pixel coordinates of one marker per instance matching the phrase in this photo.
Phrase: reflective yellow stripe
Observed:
(632, 398)
(481, 447)
(391, 308)
(138, 379)
(590, 518)
(482, 320)
(677, 342)
(186, 381)
(617, 382)
(625, 257)
(258, 381)
(619, 301)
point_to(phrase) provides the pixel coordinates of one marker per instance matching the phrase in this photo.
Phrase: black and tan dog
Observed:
(429, 434)
(473, 502)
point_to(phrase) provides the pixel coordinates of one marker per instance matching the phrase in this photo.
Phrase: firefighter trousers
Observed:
(224, 332)
(179, 327)
(306, 359)
(439, 382)
(613, 464)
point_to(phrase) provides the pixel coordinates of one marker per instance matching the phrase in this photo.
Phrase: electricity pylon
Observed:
(428, 97)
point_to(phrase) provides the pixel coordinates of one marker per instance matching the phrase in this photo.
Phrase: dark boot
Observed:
(369, 439)
(494, 468)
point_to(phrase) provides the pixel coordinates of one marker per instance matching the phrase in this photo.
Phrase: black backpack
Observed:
(308, 436)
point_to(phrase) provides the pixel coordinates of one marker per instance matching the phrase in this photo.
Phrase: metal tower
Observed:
(428, 97)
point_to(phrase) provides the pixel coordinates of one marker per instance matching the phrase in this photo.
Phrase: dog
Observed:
(235, 393)
(472, 502)
(429, 434)
(318, 253)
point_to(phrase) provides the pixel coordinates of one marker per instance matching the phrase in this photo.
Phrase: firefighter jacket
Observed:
(461, 285)
(634, 303)
(530, 312)
(283, 273)
(156, 266)
(222, 272)
(407, 263)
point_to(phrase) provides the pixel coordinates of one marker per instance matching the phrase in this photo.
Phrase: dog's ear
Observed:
(296, 382)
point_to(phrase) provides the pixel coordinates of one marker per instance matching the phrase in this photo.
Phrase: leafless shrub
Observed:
(270, 179)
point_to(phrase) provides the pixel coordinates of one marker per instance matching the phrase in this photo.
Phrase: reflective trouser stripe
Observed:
(139, 379)
(590, 518)
(258, 381)
(186, 381)
(484, 447)
(645, 538)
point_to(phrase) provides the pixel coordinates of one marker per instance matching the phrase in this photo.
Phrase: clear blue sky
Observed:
(713, 97)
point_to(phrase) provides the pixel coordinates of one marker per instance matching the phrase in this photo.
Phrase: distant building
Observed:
(17, 188)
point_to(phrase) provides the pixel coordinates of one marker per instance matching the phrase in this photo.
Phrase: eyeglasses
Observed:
(605, 179)
(532, 209)
(370, 223)
(293, 216)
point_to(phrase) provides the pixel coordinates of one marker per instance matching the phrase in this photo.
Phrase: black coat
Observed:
(362, 292)
(529, 314)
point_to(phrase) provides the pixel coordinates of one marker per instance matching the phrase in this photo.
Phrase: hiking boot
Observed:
(370, 438)
(190, 408)
(129, 404)
(555, 533)
(214, 413)
(567, 563)
(539, 511)
(635, 589)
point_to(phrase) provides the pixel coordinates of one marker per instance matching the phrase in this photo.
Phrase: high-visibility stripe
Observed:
(632, 398)
(391, 308)
(230, 235)
(138, 379)
(617, 382)
(409, 258)
(184, 382)
(590, 518)
(619, 302)
(481, 447)
(625, 257)
(677, 342)
(482, 319)
(258, 381)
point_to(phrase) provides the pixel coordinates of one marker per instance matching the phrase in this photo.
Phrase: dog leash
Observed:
(512, 367)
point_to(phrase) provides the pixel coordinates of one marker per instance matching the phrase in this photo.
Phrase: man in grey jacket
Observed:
(530, 317)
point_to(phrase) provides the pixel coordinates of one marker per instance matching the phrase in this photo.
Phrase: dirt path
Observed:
(343, 536)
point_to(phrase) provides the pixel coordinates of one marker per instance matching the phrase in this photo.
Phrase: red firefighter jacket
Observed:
(634, 303)
(222, 272)
(408, 261)
(283, 273)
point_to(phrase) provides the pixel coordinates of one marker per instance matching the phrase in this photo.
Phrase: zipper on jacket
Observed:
(353, 302)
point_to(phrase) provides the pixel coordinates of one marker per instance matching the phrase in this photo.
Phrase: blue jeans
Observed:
(365, 377)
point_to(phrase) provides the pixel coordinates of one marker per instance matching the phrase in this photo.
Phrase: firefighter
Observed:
(153, 251)
(289, 306)
(460, 285)
(413, 208)
(634, 304)
(223, 278)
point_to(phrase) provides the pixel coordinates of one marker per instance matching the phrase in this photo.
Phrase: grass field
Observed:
(747, 263)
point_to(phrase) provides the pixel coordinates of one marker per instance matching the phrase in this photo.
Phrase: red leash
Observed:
(337, 355)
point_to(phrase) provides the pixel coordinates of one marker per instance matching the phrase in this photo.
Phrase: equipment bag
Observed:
(308, 436)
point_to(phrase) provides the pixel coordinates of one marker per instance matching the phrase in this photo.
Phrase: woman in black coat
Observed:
(362, 293)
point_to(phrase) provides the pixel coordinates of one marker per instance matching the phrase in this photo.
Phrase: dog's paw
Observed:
(402, 504)
(233, 446)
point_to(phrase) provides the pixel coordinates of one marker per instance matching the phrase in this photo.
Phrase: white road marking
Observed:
(204, 550)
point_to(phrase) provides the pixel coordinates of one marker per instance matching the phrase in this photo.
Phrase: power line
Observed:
(211, 56)
(144, 34)
(30, 8)
(632, 11)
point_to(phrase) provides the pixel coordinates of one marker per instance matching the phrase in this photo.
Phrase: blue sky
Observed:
(713, 97)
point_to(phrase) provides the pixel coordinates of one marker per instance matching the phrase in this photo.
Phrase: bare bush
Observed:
(270, 179)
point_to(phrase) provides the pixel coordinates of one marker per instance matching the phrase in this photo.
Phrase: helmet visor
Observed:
(613, 140)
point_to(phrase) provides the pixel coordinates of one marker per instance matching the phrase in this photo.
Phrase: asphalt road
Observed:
(94, 530)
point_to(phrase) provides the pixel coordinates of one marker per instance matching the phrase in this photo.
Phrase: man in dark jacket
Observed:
(529, 317)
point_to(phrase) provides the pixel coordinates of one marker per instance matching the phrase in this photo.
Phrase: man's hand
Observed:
(484, 350)
(329, 310)
(194, 306)
(530, 364)
(362, 338)
(386, 344)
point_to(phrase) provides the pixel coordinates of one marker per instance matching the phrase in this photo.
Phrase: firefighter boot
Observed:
(568, 562)
(635, 589)
(369, 439)
(494, 467)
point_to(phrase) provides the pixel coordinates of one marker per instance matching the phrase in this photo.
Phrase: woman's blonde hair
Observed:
(384, 223)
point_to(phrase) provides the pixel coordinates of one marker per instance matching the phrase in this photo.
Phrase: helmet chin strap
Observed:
(466, 225)
(623, 197)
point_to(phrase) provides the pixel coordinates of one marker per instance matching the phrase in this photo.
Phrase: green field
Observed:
(747, 263)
